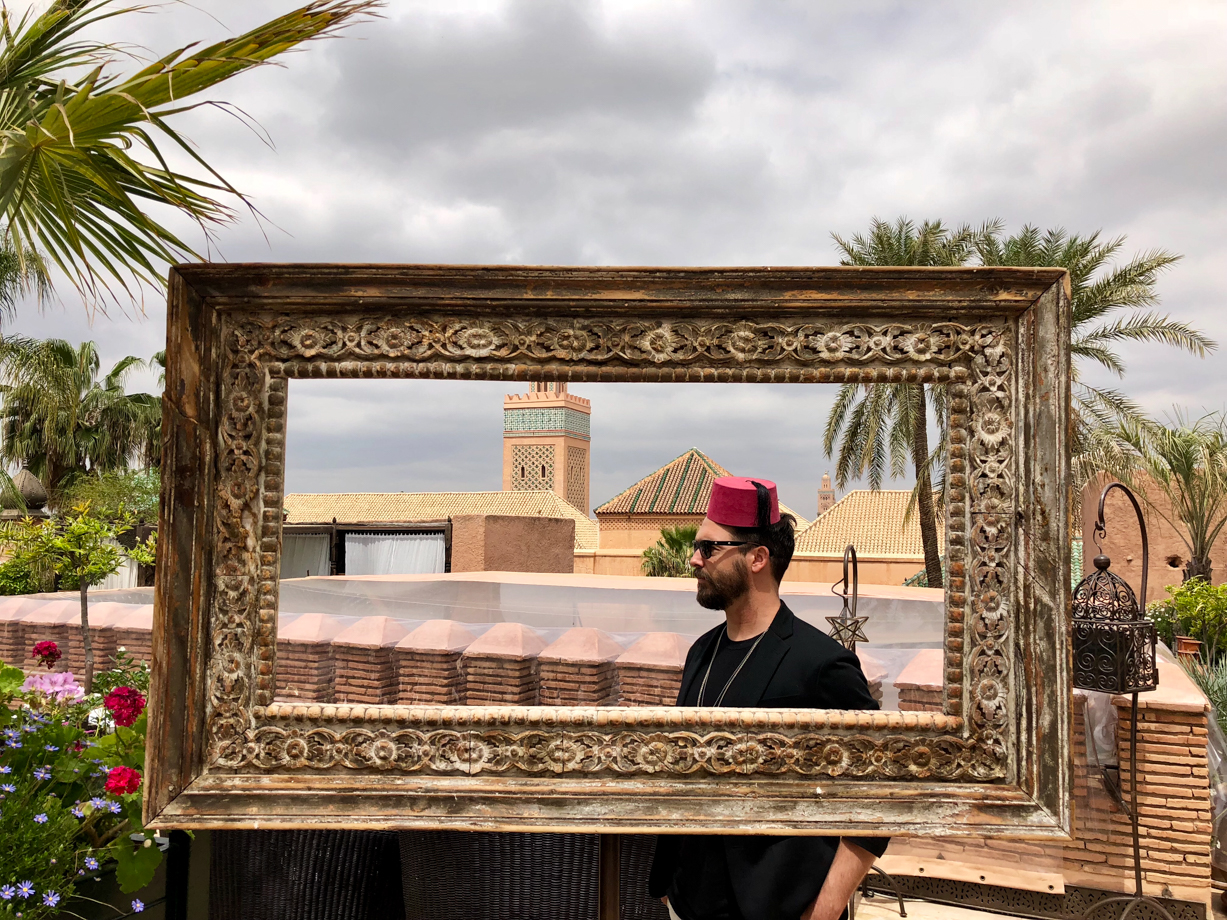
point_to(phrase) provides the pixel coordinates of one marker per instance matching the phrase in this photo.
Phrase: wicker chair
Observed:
(304, 875)
(457, 875)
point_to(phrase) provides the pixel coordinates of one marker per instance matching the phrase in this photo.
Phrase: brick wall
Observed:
(1173, 804)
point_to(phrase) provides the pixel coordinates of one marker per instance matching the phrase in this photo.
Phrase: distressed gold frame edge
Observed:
(1049, 812)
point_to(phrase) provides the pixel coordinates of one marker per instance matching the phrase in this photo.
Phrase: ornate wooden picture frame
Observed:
(224, 753)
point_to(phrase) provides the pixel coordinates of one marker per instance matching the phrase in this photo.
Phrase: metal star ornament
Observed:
(846, 628)
(847, 631)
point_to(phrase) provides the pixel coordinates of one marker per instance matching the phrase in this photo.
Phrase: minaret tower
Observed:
(547, 442)
(826, 495)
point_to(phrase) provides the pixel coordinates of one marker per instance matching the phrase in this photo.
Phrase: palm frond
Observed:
(80, 162)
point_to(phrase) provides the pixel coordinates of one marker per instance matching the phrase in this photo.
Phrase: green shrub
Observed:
(17, 578)
(1195, 609)
(670, 555)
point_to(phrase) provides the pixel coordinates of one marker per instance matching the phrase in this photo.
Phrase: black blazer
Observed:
(796, 666)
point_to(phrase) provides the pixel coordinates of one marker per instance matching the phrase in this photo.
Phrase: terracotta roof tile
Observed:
(872, 521)
(681, 486)
(416, 507)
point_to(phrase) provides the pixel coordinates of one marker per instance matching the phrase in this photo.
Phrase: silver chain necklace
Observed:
(736, 671)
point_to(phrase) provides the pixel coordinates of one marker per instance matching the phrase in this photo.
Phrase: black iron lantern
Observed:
(1114, 644)
(846, 628)
(1114, 652)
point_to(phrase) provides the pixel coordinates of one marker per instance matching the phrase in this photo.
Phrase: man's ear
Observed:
(760, 558)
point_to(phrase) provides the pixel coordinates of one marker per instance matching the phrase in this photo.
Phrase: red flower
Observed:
(122, 780)
(47, 653)
(126, 705)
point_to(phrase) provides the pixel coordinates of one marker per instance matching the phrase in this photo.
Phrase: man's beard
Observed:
(716, 591)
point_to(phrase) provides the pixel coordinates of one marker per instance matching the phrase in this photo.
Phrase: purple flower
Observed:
(114, 807)
(77, 811)
(40, 819)
(98, 802)
(10, 733)
(14, 744)
(8, 787)
(42, 773)
(25, 889)
(6, 769)
(58, 685)
(91, 864)
(137, 905)
(7, 892)
(50, 747)
(51, 899)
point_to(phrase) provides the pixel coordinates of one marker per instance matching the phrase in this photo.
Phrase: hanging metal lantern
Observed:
(846, 628)
(1114, 644)
(1114, 651)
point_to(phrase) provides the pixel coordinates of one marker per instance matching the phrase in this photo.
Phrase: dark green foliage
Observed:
(16, 577)
(670, 556)
(115, 496)
(1196, 609)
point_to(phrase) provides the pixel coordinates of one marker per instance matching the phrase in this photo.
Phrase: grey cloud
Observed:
(537, 64)
(723, 132)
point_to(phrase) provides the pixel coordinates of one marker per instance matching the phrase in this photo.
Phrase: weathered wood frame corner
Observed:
(224, 753)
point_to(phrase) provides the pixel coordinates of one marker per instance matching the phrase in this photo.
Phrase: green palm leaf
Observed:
(81, 161)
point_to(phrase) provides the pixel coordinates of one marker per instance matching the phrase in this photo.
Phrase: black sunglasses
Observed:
(705, 548)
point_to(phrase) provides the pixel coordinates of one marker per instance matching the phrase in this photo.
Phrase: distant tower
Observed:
(547, 442)
(826, 495)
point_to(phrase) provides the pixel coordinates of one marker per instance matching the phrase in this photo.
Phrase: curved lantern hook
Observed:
(846, 628)
(849, 553)
(1101, 530)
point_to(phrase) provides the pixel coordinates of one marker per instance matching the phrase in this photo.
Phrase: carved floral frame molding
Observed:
(224, 753)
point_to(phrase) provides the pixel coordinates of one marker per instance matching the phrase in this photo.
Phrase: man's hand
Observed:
(849, 867)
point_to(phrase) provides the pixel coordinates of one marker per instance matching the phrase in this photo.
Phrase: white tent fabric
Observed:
(125, 577)
(394, 553)
(304, 554)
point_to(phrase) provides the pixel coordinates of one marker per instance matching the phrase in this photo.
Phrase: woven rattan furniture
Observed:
(304, 875)
(458, 875)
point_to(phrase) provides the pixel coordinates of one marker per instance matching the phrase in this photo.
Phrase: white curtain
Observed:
(394, 553)
(304, 554)
(125, 577)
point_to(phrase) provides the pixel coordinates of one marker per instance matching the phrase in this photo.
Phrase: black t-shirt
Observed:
(701, 888)
(729, 656)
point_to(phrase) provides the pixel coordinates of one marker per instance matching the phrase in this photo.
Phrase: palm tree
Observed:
(151, 452)
(670, 555)
(880, 427)
(60, 418)
(1186, 462)
(872, 427)
(1110, 304)
(80, 154)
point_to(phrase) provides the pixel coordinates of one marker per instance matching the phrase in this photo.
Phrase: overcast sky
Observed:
(709, 133)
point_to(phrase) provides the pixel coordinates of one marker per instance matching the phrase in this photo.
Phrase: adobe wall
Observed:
(1123, 541)
(512, 543)
(638, 531)
(606, 561)
(870, 571)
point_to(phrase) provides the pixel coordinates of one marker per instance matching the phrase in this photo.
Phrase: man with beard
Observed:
(761, 656)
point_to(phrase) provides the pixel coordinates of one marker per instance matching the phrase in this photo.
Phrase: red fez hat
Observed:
(734, 502)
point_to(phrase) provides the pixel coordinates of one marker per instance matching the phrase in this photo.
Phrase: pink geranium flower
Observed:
(57, 686)
(47, 653)
(122, 780)
(126, 705)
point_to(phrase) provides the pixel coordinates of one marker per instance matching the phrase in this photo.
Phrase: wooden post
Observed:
(609, 865)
